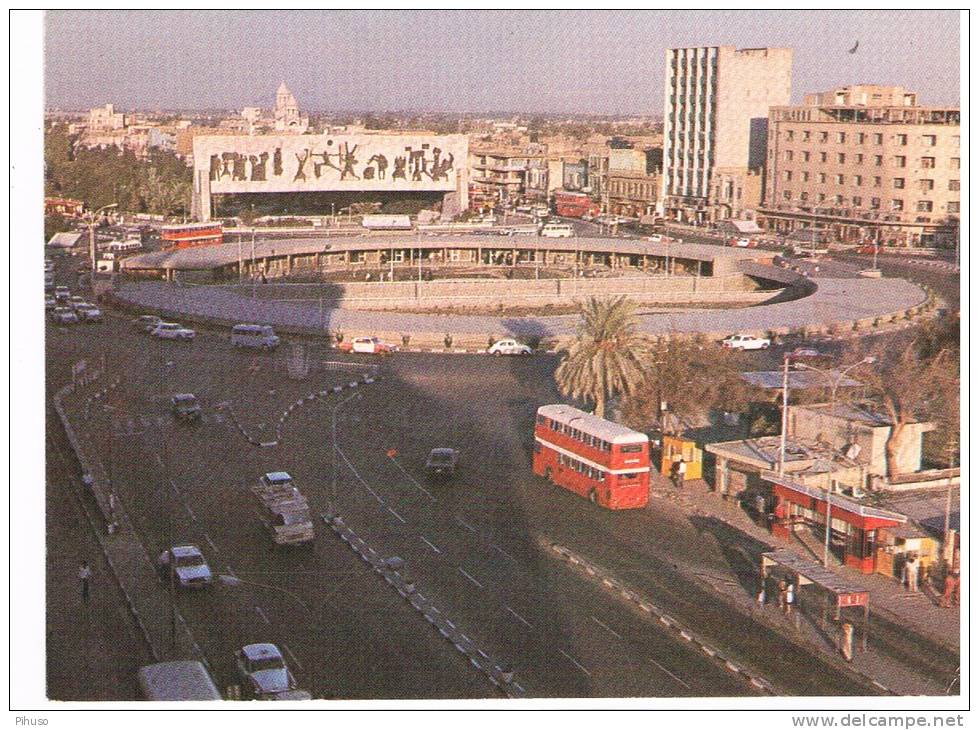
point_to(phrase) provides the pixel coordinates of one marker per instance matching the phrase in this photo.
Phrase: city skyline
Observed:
(588, 62)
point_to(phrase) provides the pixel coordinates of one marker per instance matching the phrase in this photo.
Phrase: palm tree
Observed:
(608, 356)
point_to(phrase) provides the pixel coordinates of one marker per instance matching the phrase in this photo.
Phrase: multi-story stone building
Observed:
(105, 118)
(501, 175)
(865, 164)
(634, 181)
(715, 109)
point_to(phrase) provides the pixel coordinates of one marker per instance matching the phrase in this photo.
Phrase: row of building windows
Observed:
(582, 468)
(927, 163)
(925, 184)
(877, 138)
(897, 204)
(574, 433)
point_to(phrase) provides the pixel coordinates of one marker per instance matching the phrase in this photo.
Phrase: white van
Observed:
(254, 335)
(557, 230)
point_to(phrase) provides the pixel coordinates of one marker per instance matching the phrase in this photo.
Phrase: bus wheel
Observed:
(593, 496)
(548, 475)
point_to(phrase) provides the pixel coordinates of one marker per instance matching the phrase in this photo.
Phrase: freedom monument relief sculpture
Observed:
(308, 163)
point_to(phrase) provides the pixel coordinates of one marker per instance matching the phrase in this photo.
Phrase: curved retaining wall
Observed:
(834, 304)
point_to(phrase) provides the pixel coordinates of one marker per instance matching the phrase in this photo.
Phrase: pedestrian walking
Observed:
(85, 577)
(782, 592)
(946, 601)
(912, 571)
(789, 598)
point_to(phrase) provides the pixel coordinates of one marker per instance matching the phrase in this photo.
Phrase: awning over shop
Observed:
(870, 516)
(798, 379)
(845, 594)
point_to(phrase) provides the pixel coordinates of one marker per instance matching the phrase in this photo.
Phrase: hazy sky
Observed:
(534, 61)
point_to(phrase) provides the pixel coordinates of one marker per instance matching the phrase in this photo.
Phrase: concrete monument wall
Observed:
(329, 162)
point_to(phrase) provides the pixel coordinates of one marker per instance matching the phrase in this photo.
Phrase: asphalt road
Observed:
(474, 545)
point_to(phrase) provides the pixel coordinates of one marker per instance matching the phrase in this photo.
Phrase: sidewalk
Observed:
(916, 615)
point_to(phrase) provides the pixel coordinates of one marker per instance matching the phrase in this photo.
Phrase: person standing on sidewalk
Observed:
(679, 473)
(912, 570)
(85, 577)
(789, 598)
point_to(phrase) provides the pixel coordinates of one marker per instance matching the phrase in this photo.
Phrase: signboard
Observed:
(844, 600)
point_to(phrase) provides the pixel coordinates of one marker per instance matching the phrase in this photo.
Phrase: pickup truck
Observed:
(284, 510)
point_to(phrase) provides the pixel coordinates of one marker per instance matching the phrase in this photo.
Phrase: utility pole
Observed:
(948, 503)
(785, 414)
(253, 263)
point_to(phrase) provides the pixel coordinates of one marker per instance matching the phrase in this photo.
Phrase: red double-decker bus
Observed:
(574, 205)
(603, 461)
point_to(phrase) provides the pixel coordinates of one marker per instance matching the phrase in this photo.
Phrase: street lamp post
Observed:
(92, 217)
(233, 580)
(336, 461)
(832, 401)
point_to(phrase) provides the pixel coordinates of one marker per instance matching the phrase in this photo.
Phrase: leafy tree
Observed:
(692, 377)
(54, 223)
(608, 357)
(918, 383)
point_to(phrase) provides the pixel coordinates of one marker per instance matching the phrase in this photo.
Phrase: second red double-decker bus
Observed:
(598, 459)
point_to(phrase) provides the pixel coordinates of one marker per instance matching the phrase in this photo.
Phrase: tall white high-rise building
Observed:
(715, 116)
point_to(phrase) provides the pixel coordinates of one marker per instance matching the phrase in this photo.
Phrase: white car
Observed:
(88, 312)
(173, 331)
(655, 238)
(64, 315)
(264, 671)
(186, 566)
(368, 345)
(509, 347)
(746, 342)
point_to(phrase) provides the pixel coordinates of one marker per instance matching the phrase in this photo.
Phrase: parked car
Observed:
(509, 347)
(263, 671)
(254, 335)
(147, 322)
(743, 243)
(185, 407)
(746, 342)
(88, 312)
(368, 345)
(64, 315)
(50, 302)
(655, 238)
(805, 353)
(441, 463)
(173, 331)
(186, 566)
(62, 293)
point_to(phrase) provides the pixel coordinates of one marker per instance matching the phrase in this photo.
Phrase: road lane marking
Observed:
(160, 462)
(210, 542)
(465, 524)
(504, 552)
(575, 662)
(520, 618)
(357, 474)
(293, 656)
(403, 521)
(607, 628)
(431, 545)
(262, 614)
(190, 512)
(670, 673)
(231, 572)
(412, 479)
(470, 578)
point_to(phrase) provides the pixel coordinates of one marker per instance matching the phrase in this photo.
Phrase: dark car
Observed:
(185, 407)
(441, 463)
